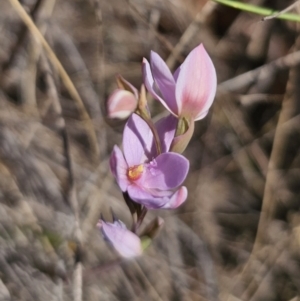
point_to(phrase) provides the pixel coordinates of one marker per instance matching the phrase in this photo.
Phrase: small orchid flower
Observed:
(123, 101)
(126, 243)
(148, 177)
(190, 91)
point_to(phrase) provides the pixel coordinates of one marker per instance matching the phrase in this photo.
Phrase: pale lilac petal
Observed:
(177, 198)
(157, 199)
(166, 128)
(137, 141)
(121, 104)
(164, 80)
(119, 168)
(151, 200)
(150, 85)
(126, 243)
(166, 172)
(196, 84)
(176, 73)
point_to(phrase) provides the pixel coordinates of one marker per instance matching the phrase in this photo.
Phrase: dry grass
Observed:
(238, 235)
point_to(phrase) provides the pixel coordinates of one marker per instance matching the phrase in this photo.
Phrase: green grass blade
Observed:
(259, 10)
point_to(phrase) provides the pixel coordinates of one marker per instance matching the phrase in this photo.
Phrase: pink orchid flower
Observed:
(126, 243)
(190, 91)
(150, 179)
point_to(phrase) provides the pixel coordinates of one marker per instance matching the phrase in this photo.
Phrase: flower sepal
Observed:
(153, 228)
(183, 135)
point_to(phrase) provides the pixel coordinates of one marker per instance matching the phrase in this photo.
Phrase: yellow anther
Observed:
(135, 172)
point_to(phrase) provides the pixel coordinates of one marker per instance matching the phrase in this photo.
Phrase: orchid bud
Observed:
(123, 101)
(121, 104)
(125, 242)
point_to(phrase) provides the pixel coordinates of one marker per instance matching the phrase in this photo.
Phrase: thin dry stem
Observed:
(190, 33)
(64, 76)
(251, 77)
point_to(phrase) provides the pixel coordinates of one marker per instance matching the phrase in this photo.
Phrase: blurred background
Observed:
(55, 144)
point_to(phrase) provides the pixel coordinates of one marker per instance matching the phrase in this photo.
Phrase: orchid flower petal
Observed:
(151, 87)
(119, 168)
(150, 200)
(126, 243)
(177, 198)
(166, 128)
(157, 199)
(166, 172)
(196, 84)
(137, 141)
(164, 80)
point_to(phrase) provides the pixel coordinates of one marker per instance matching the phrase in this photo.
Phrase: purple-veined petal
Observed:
(151, 86)
(166, 128)
(157, 199)
(121, 104)
(137, 141)
(166, 172)
(164, 80)
(126, 243)
(151, 200)
(196, 84)
(119, 168)
(177, 198)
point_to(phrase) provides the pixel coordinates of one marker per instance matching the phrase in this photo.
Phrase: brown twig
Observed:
(21, 36)
(289, 8)
(249, 78)
(190, 32)
(72, 195)
(64, 76)
(276, 162)
(160, 37)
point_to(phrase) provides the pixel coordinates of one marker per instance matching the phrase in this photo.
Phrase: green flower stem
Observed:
(263, 11)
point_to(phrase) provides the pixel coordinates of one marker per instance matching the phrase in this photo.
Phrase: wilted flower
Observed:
(126, 243)
(190, 91)
(123, 101)
(149, 177)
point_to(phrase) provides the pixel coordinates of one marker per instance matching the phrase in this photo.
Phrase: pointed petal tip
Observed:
(178, 198)
(152, 52)
(196, 84)
(99, 224)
